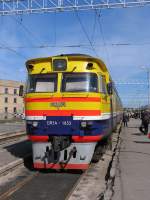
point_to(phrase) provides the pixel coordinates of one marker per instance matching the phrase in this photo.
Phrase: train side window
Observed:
(102, 84)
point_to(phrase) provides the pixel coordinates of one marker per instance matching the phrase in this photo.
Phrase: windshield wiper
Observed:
(42, 70)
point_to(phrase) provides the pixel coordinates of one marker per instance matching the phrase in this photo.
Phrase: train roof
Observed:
(74, 55)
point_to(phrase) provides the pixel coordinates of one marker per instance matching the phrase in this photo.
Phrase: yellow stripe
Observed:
(68, 106)
(50, 95)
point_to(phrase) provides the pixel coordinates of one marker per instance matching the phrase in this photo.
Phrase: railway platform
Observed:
(132, 180)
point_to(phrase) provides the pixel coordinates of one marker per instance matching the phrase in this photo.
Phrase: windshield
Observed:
(79, 82)
(42, 83)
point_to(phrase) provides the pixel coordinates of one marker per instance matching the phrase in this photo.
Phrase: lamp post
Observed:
(148, 83)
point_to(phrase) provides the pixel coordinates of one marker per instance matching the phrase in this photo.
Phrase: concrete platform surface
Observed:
(132, 180)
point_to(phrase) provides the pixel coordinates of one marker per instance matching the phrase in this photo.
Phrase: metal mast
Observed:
(9, 7)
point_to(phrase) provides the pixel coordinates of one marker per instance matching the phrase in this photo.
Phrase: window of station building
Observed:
(15, 109)
(15, 100)
(15, 91)
(6, 100)
(6, 109)
(6, 90)
(103, 84)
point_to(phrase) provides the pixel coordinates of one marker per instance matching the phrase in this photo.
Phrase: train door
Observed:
(105, 100)
(111, 112)
(111, 103)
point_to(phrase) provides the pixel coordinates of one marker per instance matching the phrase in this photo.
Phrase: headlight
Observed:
(34, 124)
(59, 64)
(83, 124)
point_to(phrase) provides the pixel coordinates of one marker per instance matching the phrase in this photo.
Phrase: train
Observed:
(71, 108)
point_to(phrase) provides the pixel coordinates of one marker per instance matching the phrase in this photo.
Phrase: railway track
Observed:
(46, 184)
(16, 168)
(15, 144)
(66, 185)
(42, 185)
(14, 165)
(11, 136)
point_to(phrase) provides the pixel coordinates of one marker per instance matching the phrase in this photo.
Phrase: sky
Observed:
(120, 37)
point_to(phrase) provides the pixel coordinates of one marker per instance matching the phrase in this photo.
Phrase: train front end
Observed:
(66, 113)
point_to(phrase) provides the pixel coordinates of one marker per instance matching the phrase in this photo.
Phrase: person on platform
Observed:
(145, 118)
(125, 119)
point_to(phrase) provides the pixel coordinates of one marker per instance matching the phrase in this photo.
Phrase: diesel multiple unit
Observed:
(71, 106)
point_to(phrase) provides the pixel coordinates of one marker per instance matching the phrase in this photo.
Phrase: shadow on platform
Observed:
(19, 149)
(22, 150)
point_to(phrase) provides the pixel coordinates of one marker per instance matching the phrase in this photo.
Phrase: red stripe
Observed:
(44, 138)
(87, 138)
(38, 138)
(58, 166)
(64, 99)
(62, 112)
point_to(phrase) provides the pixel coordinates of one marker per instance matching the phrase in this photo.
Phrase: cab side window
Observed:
(102, 84)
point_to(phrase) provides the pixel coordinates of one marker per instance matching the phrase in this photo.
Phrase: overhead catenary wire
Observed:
(71, 45)
(45, 47)
(55, 29)
(3, 46)
(102, 34)
(86, 34)
(94, 28)
(25, 28)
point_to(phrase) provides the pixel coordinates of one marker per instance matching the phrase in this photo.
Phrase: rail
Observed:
(12, 135)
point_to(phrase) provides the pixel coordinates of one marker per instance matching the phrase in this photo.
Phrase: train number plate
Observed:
(54, 123)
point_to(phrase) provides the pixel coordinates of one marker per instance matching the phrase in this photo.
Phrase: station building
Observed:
(11, 104)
